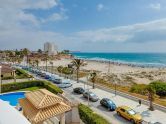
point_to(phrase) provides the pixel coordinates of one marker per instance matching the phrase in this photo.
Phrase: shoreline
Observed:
(124, 63)
(126, 72)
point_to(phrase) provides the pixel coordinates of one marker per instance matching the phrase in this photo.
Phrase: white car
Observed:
(64, 85)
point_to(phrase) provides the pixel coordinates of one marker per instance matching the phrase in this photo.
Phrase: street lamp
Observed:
(14, 75)
(115, 88)
(88, 76)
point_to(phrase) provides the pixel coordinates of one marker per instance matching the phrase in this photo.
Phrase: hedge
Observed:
(36, 83)
(22, 74)
(139, 88)
(89, 117)
(160, 88)
(7, 78)
(65, 70)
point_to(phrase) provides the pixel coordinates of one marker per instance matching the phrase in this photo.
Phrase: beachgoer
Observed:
(139, 102)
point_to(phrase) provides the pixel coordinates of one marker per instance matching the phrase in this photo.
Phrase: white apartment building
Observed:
(51, 48)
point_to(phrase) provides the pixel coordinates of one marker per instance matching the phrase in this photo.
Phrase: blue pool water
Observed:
(12, 98)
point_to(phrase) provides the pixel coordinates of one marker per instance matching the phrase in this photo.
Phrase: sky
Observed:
(84, 25)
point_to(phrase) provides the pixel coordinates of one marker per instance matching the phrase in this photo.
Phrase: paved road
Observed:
(109, 115)
(149, 116)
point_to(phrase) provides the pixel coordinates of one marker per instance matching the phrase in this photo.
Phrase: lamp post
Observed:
(14, 74)
(0, 80)
(88, 88)
(115, 88)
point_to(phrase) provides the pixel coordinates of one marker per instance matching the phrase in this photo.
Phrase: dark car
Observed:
(39, 73)
(57, 81)
(47, 76)
(108, 104)
(79, 90)
(93, 97)
(154, 123)
(43, 75)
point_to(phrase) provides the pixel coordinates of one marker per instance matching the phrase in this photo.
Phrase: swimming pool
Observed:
(12, 98)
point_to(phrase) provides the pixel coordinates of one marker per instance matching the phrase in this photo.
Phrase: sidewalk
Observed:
(149, 116)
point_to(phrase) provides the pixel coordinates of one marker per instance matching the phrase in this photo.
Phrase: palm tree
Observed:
(51, 63)
(37, 63)
(46, 59)
(77, 63)
(151, 93)
(113, 79)
(93, 76)
(25, 51)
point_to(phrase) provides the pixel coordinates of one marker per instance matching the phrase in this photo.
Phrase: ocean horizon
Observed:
(139, 59)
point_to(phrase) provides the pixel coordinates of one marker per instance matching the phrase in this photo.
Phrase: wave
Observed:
(142, 64)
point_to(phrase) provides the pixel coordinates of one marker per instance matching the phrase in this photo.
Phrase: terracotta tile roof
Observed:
(6, 69)
(43, 98)
(38, 115)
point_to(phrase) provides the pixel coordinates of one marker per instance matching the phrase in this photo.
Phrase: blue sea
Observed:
(140, 59)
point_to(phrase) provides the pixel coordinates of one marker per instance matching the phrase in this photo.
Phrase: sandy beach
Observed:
(130, 73)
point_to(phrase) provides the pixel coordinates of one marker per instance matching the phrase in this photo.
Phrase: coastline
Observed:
(124, 63)
(136, 74)
(152, 60)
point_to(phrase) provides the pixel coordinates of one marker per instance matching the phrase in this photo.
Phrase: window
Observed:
(131, 112)
(122, 110)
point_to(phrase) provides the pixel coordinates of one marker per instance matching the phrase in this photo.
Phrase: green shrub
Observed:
(7, 78)
(65, 70)
(52, 88)
(60, 69)
(139, 88)
(160, 88)
(89, 117)
(22, 74)
(36, 83)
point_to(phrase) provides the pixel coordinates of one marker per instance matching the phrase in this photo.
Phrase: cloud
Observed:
(156, 6)
(28, 4)
(141, 32)
(13, 15)
(55, 17)
(100, 7)
(22, 29)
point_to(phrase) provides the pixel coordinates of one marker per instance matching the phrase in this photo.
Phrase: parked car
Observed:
(57, 81)
(93, 97)
(129, 114)
(78, 90)
(66, 80)
(43, 74)
(47, 76)
(154, 123)
(108, 104)
(64, 85)
(39, 73)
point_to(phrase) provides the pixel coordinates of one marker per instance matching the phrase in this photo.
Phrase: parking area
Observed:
(148, 116)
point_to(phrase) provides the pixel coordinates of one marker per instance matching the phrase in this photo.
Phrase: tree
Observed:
(151, 93)
(160, 88)
(46, 59)
(77, 63)
(52, 66)
(65, 52)
(37, 63)
(39, 51)
(25, 51)
(93, 76)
